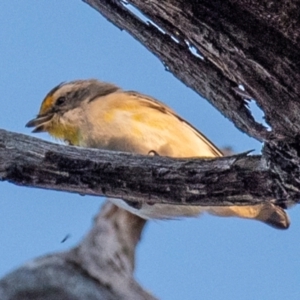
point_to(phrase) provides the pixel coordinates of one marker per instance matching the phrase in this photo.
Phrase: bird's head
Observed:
(60, 115)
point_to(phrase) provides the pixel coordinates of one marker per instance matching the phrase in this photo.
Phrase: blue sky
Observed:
(46, 42)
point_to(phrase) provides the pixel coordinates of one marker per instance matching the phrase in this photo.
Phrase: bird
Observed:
(96, 114)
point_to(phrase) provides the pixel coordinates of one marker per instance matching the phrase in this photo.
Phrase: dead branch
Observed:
(238, 179)
(213, 47)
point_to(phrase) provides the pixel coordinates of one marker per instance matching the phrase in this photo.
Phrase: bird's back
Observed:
(137, 123)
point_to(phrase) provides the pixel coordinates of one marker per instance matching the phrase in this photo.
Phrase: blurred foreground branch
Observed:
(100, 267)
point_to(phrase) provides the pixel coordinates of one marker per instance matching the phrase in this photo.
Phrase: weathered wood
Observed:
(241, 43)
(201, 75)
(253, 43)
(238, 179)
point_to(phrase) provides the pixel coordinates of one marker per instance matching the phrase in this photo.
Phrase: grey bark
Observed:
(238, 179)
(100, 267)
(253, 43)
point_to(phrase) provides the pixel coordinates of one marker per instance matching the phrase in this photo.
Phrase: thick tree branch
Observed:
(230, 180)
(253, 43)
(241, 44)
(201, 75)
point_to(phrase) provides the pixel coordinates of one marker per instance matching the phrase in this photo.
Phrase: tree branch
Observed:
(238, 179)
(100, 267)
(201, 75)
(241, 44)
(253, 43)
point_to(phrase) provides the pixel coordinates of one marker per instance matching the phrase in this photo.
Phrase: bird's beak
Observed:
(39, 123)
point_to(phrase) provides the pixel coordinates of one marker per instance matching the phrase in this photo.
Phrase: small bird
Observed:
(95, 114)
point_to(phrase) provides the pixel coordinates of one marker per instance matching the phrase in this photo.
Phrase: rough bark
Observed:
(253, 43)
(238, 179)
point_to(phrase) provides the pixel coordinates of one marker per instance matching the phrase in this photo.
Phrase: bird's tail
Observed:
(268, 213)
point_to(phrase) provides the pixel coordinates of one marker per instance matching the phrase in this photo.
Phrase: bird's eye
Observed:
(60, 101)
